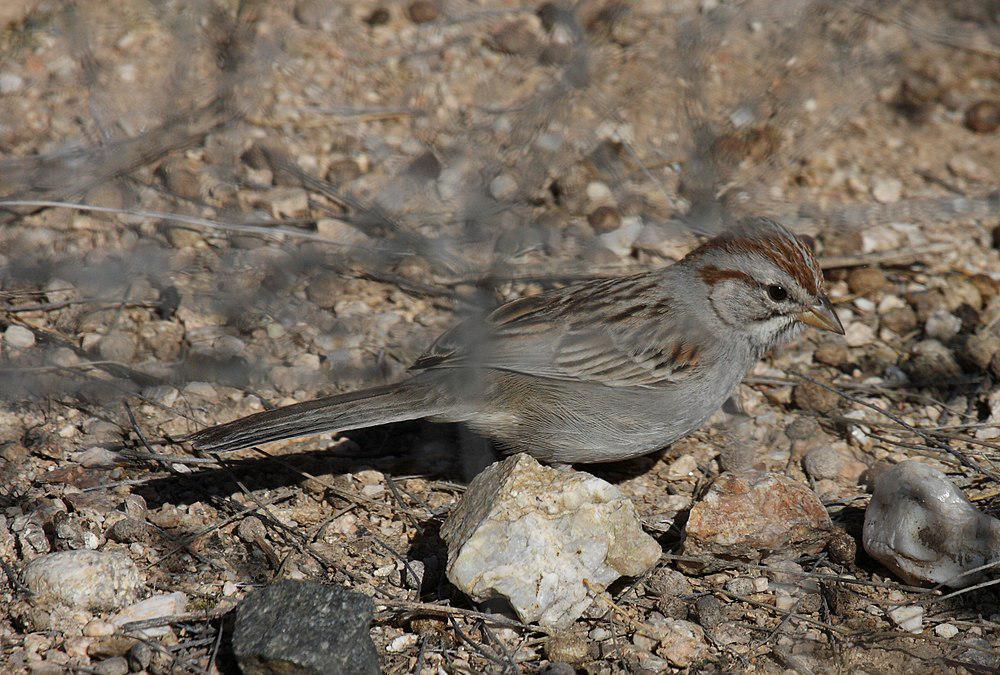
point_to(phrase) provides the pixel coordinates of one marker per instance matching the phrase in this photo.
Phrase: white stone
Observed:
(10, 83)
(682, 467)
(18, 337)
(909, 617)
(598, 192)
(503, 187)
(546, 540)
(83, 579)
(620, 240)
(919, 525)
(402, 643)
(942, 325)
(156, 607)
(887, 190)
(946, 630)
(859, 334)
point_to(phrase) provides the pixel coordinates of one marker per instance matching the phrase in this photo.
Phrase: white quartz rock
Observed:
(546, 540)
(919, 525)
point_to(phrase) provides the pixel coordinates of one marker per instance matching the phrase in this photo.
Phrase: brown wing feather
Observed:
(610, 331)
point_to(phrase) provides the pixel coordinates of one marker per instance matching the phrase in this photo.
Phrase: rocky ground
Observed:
(293, 198)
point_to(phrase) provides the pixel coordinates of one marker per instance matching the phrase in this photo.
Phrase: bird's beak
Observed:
(822, 316)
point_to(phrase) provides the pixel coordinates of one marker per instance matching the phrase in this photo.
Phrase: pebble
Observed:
(681, 642)
(117, 346)
(402, 643)
(908, 617)
(887, 190)
(568, 647)
(83, 579)
(823, 462)
(866, 280)
(620, 241)
(982, 117)
(942, 325)
(946, 630)
(98, 628)
(682, 467)
(740, 586)
(313, 13)
(18, 337)
(859, 334)
(964, 166)
(503, 187)
(517, 38)
(154, 607)
(900, 320)
(422, 11)
(304, 627)
(753, 515)
(116, 665)
(811, 396)
(913, 500)
(604, 219)
(568, 536)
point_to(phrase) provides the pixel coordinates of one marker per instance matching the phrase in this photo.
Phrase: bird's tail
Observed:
(408, 400)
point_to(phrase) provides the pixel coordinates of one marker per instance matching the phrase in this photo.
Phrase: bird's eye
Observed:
(777, 293)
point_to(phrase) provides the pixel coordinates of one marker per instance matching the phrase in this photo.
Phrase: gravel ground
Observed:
(287, 199)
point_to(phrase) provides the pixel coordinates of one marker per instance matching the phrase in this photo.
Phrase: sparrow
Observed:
(598, 371)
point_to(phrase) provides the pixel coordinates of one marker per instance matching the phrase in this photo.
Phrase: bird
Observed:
(598, 371)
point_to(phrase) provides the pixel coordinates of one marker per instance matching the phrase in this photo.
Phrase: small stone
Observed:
(569, 647)
(313, 13)
(753, 515)
(887, 190)
(983, 347)
(842, 547)
(620, 241)
(18, 337)
(598, 192)
(682, 467)
(671, 586)
(604, 219)
(116, 665)
(942, 325)
(503, 187)
(900, 320)
(740, 586)
(10, 83)
(517, 38)
(909, 617)
(923, 528)
(422, 11)
(97, 628)
(946, 630)
(179, 178)
(681, 642)
(965, 167)
(709, 611)
(402, 643)
(983, 117)
(811, 396)
(568, 535)
(139, 657)
(156, 607)
(823, 462)
(286, 202)
(379, 17)
(866, 280)
(931, 362)
(83, 579)
(832, 352)
(304, 627)
(117, 346)
(859, 334)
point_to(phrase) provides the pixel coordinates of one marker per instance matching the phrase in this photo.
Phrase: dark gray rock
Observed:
(305, 627)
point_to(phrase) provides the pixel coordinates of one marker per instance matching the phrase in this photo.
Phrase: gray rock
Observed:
(823, 462)
(304, 627)
(93, 580)
(919, 525)
(545, 540)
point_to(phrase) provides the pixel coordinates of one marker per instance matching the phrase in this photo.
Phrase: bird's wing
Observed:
(613, 332)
